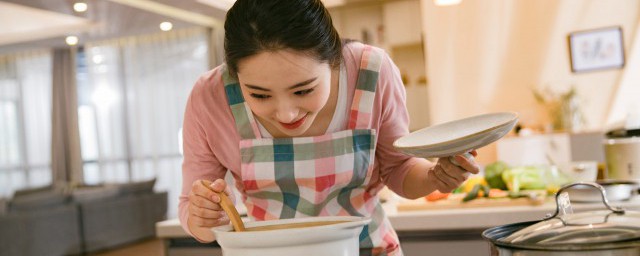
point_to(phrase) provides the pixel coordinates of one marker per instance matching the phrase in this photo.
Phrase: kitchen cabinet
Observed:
(402, 23)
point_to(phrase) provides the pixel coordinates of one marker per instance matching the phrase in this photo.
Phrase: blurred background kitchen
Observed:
(92, 95)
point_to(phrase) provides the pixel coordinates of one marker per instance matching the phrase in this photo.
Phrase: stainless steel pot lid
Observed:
(567, 230)
(581, 228)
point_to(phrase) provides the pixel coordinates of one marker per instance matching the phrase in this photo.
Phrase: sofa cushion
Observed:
(138, 187)
(88, 194)
(29, 191)
(39, 200)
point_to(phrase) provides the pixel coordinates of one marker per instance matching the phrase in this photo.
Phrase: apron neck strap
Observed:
(364, 96)
(245, 122)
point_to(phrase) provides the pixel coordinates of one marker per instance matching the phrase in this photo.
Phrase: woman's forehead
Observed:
(281, 68)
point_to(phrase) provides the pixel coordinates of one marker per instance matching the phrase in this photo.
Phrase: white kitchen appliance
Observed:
(623, 158)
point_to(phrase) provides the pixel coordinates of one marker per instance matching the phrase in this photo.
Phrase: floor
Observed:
(152, 247)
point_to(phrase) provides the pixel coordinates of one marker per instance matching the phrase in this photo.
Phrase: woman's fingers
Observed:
(219, 185)
(205, 213)
(204, 202)
(444, 181)
(454, 171)
(449, 176)
(464, 164)
(204, 208)
(209, 222)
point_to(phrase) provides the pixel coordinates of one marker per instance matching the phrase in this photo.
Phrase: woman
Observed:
(305, 124)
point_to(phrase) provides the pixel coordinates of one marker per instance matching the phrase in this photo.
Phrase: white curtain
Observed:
(25, 121)
(132, 95)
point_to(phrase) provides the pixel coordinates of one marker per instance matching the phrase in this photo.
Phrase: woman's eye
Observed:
(260, 96)
(303, 92)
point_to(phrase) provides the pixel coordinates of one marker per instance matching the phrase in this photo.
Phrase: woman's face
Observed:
(285, 89)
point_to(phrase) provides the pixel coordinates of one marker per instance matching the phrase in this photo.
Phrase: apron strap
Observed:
(245, 122)
(364, 96)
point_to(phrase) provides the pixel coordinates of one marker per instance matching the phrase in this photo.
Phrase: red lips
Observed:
(295, 124)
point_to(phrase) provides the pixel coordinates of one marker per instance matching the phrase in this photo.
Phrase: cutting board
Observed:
(456, 203)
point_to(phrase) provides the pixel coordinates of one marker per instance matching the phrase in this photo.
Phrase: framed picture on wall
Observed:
(596, 49)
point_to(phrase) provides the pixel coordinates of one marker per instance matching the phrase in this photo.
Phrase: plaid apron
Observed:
(323, 175)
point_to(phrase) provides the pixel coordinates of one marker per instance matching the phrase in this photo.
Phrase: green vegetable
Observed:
(526, 177)
(493, 174)
(472, 194)
(485, 190)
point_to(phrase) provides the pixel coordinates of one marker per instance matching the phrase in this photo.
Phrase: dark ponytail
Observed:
(255, 26)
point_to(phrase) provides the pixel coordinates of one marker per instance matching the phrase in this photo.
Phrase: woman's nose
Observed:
(286, 113)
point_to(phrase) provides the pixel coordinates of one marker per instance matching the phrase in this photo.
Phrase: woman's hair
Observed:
(255, 26)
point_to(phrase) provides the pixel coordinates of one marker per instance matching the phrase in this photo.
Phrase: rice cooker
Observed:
(622, 154)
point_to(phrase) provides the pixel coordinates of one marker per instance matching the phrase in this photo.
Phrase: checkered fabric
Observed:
(323, 175)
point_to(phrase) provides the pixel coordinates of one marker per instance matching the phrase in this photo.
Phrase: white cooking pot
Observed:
(623, 158)
(341, 239)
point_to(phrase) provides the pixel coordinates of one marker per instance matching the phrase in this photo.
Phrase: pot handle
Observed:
(618, 210)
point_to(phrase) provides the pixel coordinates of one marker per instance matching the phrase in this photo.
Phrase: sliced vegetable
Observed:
(473, 194)
(436, 195)
(493, 174)
(485, 190)
(526, 177)
(498, 193)
(458, 190)
(471, 182)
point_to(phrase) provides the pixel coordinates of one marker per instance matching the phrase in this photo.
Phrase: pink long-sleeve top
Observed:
(211, 141)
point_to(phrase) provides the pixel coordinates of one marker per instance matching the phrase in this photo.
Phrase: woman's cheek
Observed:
(260, 109)
(319, 101)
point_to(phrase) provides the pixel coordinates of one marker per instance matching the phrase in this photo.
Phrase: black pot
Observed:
(608, 232)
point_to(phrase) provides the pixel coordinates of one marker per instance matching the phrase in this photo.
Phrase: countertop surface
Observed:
(449, 219)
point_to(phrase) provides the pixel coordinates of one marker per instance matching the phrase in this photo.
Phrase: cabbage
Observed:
(493, 175)
(525, 177)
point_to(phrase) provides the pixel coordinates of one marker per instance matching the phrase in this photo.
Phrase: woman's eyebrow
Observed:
(303, 83)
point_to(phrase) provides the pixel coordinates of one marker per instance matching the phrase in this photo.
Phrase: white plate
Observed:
(457, 137)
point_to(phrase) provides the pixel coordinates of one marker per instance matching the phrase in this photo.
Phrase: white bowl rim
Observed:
(351, 222)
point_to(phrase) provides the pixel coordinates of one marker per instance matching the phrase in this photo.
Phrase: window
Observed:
(132, 93)
(25, 121)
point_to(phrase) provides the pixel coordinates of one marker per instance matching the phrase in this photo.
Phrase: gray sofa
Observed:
(62, 221)
(46, 230)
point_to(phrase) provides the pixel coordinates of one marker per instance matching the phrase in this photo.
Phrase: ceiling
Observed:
(45, 23)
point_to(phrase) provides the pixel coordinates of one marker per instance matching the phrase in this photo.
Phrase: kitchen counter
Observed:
(440, 232)
(486, 217)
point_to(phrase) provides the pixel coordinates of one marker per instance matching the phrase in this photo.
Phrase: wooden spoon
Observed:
(228, 207)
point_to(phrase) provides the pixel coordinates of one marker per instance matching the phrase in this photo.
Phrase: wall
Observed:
(351, 22)
(488, 56)
(389, 26)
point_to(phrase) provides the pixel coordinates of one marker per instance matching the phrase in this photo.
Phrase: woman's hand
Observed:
(446, 176)
(204, 207)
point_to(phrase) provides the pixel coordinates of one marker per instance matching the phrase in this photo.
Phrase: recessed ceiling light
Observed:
(446, 2)
(71, 40)
(80, 7)
(166, 26)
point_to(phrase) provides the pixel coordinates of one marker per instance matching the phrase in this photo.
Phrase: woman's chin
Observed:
(294, 132)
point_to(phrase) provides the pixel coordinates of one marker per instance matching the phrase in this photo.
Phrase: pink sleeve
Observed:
(199, 160)
(394, 124)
